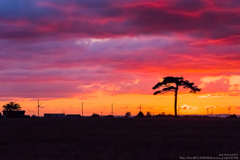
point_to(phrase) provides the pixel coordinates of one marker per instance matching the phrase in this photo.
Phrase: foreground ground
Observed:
(117, 139)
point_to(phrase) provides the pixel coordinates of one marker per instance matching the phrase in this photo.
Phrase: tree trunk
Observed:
(175, 103)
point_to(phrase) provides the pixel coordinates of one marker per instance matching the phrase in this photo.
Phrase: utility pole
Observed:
(229, 108)
(38, 107)
(82, 109)
(212, 111)
(112, 109)
(140, 107)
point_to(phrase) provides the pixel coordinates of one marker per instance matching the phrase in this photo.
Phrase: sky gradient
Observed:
(65, 53)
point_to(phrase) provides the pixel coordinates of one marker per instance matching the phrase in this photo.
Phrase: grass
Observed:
(117, 139)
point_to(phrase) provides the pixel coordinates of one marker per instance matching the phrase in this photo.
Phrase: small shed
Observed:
(73, 116)
(14, 114)
(54, 115)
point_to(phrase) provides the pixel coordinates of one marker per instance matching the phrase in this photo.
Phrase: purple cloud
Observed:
(57, 49)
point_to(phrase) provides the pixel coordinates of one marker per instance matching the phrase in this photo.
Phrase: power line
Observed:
(99, 104)
(128, 104)
(61, 102)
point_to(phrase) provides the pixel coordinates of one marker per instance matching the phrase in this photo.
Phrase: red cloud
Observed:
(221, 85)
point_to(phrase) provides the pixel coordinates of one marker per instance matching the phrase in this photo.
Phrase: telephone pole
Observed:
(212, 111)
(82, 109)
(112, 109)
(38, 107)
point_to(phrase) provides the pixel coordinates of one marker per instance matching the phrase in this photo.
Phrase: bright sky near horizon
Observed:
(102, 52)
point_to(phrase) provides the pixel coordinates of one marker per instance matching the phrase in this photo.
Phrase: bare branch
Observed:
(157, 92)
(157, 85)
(169, 88)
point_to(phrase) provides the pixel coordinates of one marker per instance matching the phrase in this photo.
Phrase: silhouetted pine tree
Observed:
(172, 84)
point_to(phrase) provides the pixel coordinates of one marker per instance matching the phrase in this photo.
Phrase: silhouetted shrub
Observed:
(159, 115)
(232, 116)
(148, 114)
(140, 114)
(169, 115)
(95, 115)
(128, 114)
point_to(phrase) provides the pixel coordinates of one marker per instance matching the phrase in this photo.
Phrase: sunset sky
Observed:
(105, 51)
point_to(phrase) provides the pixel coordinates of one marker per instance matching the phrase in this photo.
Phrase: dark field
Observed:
(117, 139)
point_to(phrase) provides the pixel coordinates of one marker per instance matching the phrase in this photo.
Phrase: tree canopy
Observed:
(178, 81)
(12, 106)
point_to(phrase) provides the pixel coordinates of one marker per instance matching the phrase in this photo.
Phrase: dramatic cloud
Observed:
(60, 49)
(38, 19)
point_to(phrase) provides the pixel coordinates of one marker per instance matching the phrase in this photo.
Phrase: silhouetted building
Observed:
(54, 115)
(73, 116)
(14, 114)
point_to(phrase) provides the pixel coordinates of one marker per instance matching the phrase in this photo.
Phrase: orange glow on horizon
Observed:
(155, 104)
